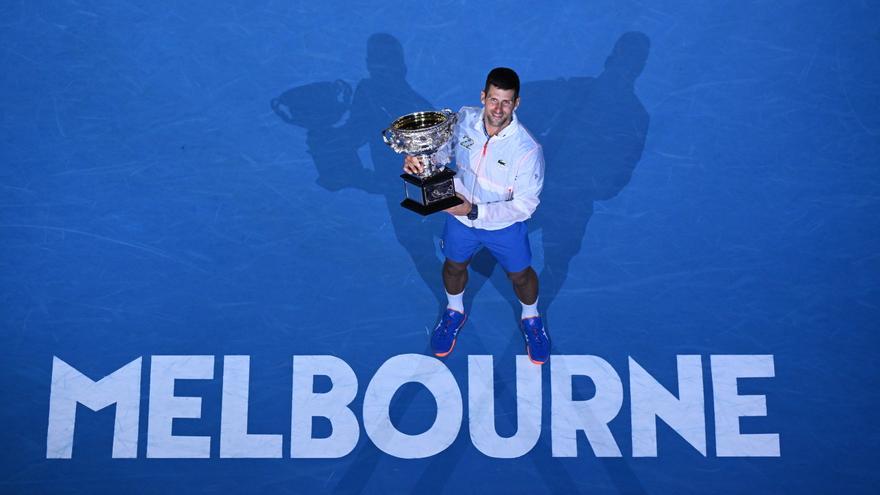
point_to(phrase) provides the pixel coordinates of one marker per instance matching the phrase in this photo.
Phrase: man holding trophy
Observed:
(500, 173)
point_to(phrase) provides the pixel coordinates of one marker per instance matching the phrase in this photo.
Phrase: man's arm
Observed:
(525, 192)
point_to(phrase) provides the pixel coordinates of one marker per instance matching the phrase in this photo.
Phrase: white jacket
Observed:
(503, 174)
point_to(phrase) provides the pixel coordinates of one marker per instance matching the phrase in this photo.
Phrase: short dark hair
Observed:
(503, 78)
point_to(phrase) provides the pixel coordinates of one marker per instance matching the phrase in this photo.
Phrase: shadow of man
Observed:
(377, 100)
(593, 132)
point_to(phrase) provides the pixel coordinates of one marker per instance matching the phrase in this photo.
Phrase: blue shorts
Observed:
(510, 245)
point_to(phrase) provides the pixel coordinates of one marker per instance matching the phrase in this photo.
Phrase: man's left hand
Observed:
(460, 210)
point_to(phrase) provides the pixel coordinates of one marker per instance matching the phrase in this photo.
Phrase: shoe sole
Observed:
(539, 363)
(444, 354)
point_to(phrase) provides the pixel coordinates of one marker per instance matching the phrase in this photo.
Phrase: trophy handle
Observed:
(386, 136)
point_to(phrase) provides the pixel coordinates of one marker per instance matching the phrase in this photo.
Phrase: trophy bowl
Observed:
(428, 137)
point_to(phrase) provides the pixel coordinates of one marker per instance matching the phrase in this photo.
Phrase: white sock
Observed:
(456, 301)
(529, 310)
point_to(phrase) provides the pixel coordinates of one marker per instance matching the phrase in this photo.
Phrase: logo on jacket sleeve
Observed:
(466, 142)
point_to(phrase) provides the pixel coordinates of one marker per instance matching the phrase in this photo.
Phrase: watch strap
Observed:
(472, 215)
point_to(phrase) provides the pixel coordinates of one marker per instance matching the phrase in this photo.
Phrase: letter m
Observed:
(70, 387)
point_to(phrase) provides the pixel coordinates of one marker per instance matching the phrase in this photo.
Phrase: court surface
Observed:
(208, 179)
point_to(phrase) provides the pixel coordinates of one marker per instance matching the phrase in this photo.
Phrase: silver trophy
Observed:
(427, 136)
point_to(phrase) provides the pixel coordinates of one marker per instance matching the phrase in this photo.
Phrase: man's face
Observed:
(499, 105)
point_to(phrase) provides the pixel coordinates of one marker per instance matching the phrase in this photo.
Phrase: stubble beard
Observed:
(497, 123)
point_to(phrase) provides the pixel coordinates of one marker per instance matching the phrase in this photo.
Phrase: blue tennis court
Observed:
(208, 284)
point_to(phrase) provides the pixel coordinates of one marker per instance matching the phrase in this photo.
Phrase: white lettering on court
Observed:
(165, 407)
(437, 378)
(649, 401)
(730, 406)
(332, 405)
(70, 387)
(481, 408)
(591, 416)
(235, 441)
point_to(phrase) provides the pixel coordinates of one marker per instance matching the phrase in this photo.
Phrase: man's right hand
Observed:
(412, 165)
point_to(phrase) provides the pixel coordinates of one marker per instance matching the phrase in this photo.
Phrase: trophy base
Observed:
(433, 207)
(438, 185)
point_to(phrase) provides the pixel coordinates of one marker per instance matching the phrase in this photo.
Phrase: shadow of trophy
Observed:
(317, 107)
(314, 106)
(428, 137)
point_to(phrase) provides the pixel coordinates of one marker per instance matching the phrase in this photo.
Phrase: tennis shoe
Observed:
(537, 340)
(444, 334)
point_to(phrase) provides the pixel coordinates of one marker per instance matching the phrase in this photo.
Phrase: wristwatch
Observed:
(472, 215)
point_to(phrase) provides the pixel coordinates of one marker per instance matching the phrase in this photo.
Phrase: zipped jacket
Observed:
(503, 174)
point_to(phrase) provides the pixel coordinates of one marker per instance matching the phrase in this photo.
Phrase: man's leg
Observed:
(460, 243)
(525, 284)
(446, 332)
(455, 276)
(510, 246)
